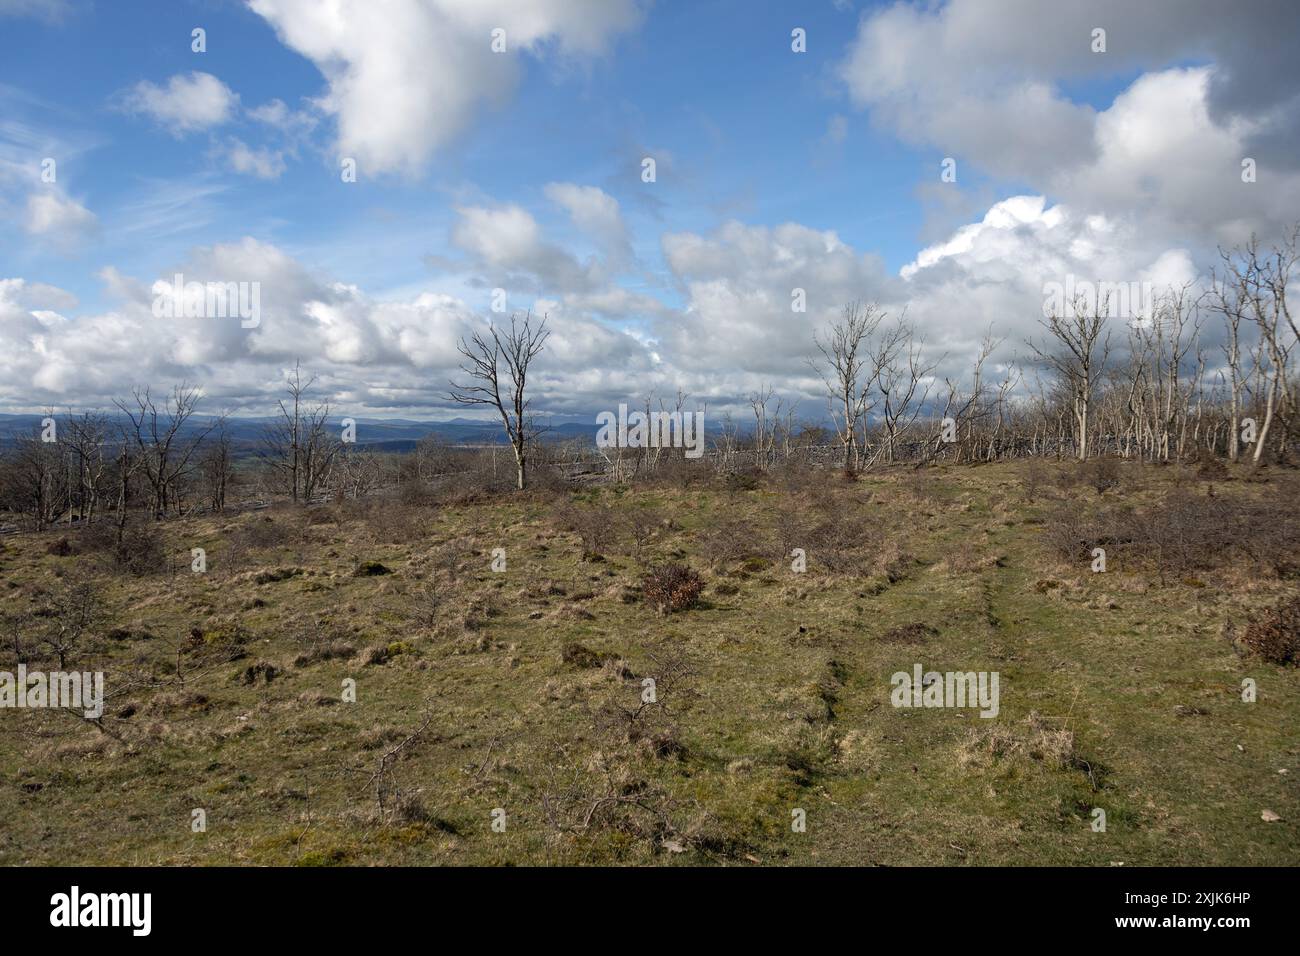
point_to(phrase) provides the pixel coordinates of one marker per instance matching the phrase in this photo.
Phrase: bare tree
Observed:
(356, 472)
(36, 479)
(843, 372)
(1254, 284)
(1227, 299)
(166, 446)
(899, 372)
(518, 348)
(216, 467)
(298, 445)
(1082, 349)
(72, 612)
(84, 436)
(766, 425)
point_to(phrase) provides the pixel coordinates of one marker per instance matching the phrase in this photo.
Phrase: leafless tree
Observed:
(483, 355)
(298, 445)
(842, 372)
(899, 371)
(160, 436)
(72, 611)
(765, 425)
(85, 435)
(1254, 284)
(217, 469)
(35, 480)
(1082, 348)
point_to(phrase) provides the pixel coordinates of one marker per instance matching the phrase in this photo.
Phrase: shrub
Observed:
(732, 539)
(1274, 635)
(1033, 478)
(671, 587)
(745, 479)
(394, 523)
(1102, 474)
(334, 649)
(583, 657)
(596, 525)
(60, 548)
(1069, 534)
(844, 544)
(642, 525)
(140, 550)
(1209, 467)
(265, 532)
(790, 530)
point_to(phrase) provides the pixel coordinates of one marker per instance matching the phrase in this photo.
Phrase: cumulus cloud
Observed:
(508, 249)
(727, 325)
(380, 354)
(55, 216)
(993, 273)
(262, 163)
(984, 81)
(187, 103)
(1137, 189)
(741, 283)
(402, 85)
(596, 213)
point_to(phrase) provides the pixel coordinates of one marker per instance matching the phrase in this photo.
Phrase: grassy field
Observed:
(519, 691)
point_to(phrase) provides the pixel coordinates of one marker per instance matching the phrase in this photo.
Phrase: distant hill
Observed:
(387, 434)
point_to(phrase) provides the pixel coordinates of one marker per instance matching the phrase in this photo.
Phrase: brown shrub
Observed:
(732, 539)
(1102, 474)
(844, 544)
(743, 479)
(671, 587)
(1070, 534)
(140, 551)
(392, 522)
(60, 548)
(1274, 634)
(1183, 533)
(595, 525)
(1209, 467)
(1033, 478)
(265, 531)
(642, 525)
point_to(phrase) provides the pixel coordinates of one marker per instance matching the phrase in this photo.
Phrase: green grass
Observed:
(790, 709)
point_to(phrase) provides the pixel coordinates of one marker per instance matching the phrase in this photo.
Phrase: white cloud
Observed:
(509, 250)
(992, 274)
(1163, 160)
(596, 213)
(262, 163)
(188, 102)
(984, 81)
(734, 330)
(52, 215)
(342, 333)
(402, 85)
(739, 321)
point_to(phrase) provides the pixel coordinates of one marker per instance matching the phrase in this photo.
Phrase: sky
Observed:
(796, 146)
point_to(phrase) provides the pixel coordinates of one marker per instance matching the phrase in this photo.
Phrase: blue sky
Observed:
(775, 169)
(744, 120)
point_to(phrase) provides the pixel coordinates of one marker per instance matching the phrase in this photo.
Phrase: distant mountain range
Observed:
(388, 434)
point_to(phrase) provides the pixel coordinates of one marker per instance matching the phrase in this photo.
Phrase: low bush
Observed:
(671, 587)
(1274, 635)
